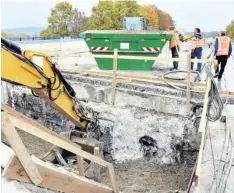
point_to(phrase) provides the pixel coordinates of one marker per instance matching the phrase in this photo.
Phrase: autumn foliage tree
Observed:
(106, 15)
(4, 35)
(45, 32)
(149, 13)
(165, 20)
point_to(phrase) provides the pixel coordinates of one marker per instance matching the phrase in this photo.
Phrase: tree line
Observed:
(230, 30)
(65, 20)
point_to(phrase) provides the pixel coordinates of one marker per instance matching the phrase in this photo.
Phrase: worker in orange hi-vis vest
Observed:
(174, 45)
(197, 44)
(223, 50)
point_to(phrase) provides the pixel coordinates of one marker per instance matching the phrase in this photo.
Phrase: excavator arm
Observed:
(37, 71)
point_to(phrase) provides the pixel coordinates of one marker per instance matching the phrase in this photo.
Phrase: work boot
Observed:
(175, 65)
(191, 66)
(216, 75)
(172, 69)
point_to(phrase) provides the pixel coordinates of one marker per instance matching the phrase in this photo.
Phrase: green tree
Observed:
(79, 22)
(45, 32)
(101, 18)
(120, 10)
(125, 8)
(108, 15)
(60, 18)
(133, 8)
(230, 30)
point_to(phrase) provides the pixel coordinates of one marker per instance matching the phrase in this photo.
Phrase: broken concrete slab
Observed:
(12, 186)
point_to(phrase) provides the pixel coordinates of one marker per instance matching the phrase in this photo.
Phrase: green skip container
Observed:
(128, 43)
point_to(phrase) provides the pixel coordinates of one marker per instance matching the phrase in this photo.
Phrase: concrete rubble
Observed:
(146, 133)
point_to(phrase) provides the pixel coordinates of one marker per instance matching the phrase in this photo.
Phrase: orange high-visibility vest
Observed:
(175, 40)
(197, 43)
(223, 45)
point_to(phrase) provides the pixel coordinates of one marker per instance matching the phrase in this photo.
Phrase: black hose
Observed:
(177, 87)
(215, 104)
(10, 45)
(51, 81)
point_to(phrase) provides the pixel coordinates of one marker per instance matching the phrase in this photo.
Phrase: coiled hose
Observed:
(165, 77)
(215, 104)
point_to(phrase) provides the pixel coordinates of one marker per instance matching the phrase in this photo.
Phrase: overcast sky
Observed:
(207, 14)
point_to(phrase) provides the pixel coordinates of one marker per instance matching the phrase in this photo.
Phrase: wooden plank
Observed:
(24, 123)
(96, 168)
(20, 150)
(6, 153)
(80, 166)
(123, 80)
(112, 178)
(55, 178)
(194, 87)
(115, 63)
(202, 125)
(188, 94)
(202, 131)
(89, 55)
(93, 171)
(136, 77)
(229, 93)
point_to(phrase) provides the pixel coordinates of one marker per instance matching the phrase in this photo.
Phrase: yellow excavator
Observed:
(36, 71)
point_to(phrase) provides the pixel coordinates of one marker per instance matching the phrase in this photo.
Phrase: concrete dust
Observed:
(34, 145)
(12, 186)
(126, 125)
(217, 155)
(141, 176)
(34, 189)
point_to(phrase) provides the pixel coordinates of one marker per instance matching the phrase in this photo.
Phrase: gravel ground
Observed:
(139, 176)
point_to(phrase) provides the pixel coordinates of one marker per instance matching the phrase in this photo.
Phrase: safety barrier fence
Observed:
(199, 87)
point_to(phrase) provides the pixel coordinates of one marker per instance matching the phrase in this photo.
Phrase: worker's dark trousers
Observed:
(197, 53)
(175, 54)
(223, 61)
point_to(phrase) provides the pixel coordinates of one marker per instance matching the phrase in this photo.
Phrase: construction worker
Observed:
(223, 50)
(174, 45)
(197, 43)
